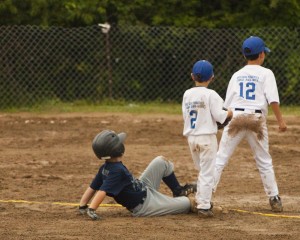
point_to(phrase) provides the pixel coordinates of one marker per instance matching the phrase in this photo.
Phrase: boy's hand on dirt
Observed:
(83, 209)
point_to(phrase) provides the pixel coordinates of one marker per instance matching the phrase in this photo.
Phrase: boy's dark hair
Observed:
(197, 78)
(252, 57)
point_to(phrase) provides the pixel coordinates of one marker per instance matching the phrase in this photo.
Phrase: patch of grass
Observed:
(106, 106)
(290, 110)
(55, 106)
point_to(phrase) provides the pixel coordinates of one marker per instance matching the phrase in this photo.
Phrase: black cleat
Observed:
(186, 190)
(205, 213)
(276, 204)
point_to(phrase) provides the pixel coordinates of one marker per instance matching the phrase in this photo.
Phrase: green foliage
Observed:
(156, 46)
(192, 13)
(71, 64)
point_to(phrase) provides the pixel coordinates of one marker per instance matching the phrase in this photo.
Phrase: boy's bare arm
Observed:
(277, 112)
(229, 113)
(87, 196)
(98, 199)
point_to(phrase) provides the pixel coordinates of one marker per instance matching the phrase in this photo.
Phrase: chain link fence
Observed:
(131, 63)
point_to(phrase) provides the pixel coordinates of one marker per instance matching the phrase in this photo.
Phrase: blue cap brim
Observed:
(267, 50)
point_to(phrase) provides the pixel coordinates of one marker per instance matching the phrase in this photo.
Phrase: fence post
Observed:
(105, 29)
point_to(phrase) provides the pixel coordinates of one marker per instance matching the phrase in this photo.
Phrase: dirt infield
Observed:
(47, 159)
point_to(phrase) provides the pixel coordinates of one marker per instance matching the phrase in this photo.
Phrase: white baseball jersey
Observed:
(252, 87)
(201, 109)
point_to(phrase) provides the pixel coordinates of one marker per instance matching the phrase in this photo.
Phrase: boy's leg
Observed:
(158, 204)
(226, 148)
(162, 169)
(178, 190)
(158, 168)
(264, 163)
(203, 149)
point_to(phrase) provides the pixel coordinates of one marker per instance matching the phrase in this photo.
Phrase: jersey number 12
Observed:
(247, 90)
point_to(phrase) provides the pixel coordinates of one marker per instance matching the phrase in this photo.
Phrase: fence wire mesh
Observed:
(131, 63)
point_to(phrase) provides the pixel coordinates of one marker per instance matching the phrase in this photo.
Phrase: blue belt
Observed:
(243, 109)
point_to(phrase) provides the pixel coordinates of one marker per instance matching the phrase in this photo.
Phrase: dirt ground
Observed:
(48, 159)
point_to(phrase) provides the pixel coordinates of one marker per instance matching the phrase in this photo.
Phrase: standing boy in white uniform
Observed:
(249, 92)
(202, 108)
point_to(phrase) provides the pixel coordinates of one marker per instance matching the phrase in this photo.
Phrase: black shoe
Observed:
(186, 190)
(276, 204)
(205, 213)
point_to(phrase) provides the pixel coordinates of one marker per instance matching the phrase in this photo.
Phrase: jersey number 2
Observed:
(249, 90)
(193, 115)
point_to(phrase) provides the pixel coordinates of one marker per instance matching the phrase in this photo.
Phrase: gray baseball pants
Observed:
(156, 203)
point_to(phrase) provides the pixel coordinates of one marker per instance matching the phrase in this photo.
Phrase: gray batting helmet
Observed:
(107, 144)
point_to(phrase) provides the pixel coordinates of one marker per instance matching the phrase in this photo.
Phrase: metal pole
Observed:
(105, 29)
(109, 65)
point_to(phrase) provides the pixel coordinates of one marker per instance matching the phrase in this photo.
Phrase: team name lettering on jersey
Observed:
(248, 78)
(105, 172)
(194, 105)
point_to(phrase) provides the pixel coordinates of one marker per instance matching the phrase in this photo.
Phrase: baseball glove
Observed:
(225, 123)
(83, 209)
(92, 214)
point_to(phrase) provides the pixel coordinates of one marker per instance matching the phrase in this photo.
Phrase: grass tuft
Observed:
(55, 106)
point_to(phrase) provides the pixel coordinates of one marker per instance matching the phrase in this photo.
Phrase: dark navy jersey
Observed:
(115, 179)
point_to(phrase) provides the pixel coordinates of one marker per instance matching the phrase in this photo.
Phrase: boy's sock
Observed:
(172, 182)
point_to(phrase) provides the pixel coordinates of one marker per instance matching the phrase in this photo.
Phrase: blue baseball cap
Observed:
(204, 69)
(254, 45)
